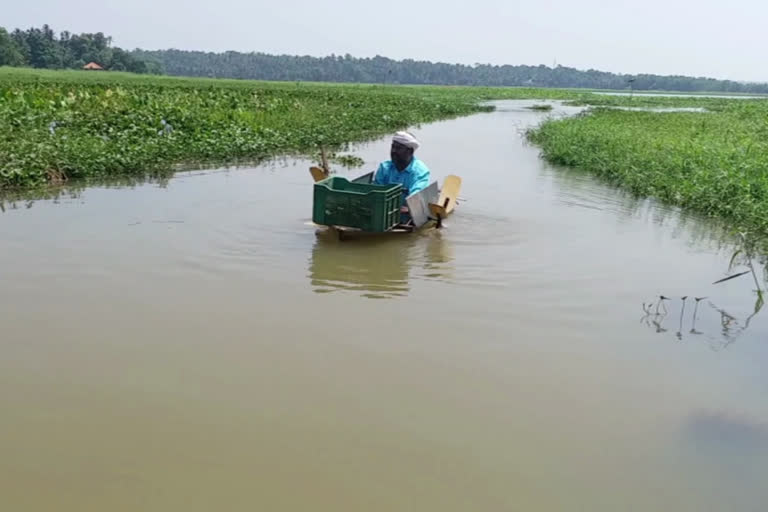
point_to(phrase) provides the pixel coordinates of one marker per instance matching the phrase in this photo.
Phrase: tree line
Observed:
(336, 68)
(42, 48)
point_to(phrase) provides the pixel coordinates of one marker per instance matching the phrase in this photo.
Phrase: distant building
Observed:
(93, 66)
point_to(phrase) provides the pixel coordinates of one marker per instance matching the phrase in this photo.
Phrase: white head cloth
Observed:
(406, 139)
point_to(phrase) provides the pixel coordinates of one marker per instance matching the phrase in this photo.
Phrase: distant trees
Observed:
(41, 48)
(10, 53)
(336, 68)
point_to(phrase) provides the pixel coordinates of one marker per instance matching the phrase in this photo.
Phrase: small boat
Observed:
(426, 209)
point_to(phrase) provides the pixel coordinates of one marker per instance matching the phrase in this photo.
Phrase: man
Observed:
(403, 168)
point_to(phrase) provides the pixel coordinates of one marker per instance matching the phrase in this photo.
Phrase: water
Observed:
(197, 345)
(681, 95)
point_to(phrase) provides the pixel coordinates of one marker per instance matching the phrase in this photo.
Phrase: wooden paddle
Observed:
(320, 173)
(447, 200)
(317, 173)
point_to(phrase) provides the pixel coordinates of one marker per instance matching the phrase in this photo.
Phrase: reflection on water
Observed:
(436, 256)
(729, 445)
(575, 188)
(378, 267)
(55, 194)
(732, 444)
(726, 432)
(712, 323)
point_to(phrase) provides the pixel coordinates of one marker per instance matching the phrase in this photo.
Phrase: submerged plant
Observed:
(349, 160)
(745, 254)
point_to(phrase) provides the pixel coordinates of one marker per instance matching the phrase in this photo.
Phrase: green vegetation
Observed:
(56, 126)
(541, 107)
(63, 125)
(348, 160)
(654, 101)
(714, 163)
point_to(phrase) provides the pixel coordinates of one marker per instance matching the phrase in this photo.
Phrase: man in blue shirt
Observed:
(403, 168)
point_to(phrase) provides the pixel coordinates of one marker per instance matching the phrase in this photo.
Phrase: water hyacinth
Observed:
(71, 125)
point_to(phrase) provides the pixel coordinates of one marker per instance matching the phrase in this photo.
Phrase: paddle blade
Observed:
(317, 173)
(449, 193)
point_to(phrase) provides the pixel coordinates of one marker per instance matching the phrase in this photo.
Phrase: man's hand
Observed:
(404, 209)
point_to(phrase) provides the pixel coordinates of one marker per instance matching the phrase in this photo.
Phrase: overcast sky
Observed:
(697, 38)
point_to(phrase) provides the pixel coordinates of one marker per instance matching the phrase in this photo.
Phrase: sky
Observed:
(667, 37)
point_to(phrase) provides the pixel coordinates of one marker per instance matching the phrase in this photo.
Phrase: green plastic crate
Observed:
(369, 207)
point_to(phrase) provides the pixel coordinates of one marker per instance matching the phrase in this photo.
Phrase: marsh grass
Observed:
(714, 164)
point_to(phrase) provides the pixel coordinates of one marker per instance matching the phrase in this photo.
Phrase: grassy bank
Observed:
(713, 163)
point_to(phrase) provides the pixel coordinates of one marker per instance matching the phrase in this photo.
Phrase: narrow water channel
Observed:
(199, 345)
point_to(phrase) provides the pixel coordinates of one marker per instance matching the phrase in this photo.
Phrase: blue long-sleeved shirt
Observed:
(413, 178)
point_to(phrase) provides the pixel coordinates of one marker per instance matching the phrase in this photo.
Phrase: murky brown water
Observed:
(196, 346)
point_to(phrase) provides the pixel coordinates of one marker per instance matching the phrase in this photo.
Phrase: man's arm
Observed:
(420, 181)
(379, 177)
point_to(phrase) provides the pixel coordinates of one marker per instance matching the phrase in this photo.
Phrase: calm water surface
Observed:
(673, 95)
(200, 345)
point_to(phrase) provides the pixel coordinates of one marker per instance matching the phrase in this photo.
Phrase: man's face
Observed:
(400, 153)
